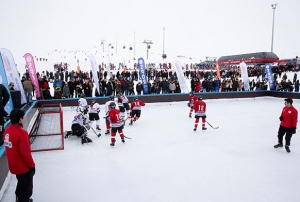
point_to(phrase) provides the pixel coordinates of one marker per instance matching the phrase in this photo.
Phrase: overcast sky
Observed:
(192, 28)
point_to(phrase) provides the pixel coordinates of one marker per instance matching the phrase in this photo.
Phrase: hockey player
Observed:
(94, 114)
(288, 124)
(135, 108)
(78, 129)
(116, 123)
(124, 100)
(192, 99)
(200, 109)
(107, 109)
(82, 104)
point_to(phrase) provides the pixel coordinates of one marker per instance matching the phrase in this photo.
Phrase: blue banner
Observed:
(3, 80)
(269, 75)
(143, 75)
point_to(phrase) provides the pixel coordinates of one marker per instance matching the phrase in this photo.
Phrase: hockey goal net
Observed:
(47, 131)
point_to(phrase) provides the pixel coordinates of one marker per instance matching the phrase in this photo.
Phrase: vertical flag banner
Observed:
(180, 76)
(12, 74)
(268, 70)
(32, 73)
(218, 74)
(3, 80)
(245, 77)
(143, 75)
(92, 61)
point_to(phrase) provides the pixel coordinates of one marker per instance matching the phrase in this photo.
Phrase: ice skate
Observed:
(107, 132)
(97, 128)
(278, 145)
(287, 148)
(195, 129)
(190, 116)
(203, 128)
(112, 144)
(123, 140)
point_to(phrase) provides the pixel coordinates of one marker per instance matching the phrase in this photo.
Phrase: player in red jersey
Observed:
(192, 100)
(200, 109)
(288, 124)
(135, 108)
(116, 123)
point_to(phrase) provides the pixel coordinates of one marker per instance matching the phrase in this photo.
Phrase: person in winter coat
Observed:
(47, 94)
(172, 87)
(66, 91)
(288, 124)
(139, 88)
(57, 93)
(18, 154)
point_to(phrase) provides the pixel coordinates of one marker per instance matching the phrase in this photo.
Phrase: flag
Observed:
(94, 70)
(143, 75)
(268, 71)
(32, 73)
(12, 73)
(3, 80)
(245, 77)
(180, 76)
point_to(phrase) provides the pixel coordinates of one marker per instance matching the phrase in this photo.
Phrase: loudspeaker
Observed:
(16, 98)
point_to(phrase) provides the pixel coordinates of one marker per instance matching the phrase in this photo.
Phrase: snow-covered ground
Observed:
(167, 161)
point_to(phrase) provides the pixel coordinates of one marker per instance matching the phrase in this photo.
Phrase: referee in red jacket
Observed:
(20, 161)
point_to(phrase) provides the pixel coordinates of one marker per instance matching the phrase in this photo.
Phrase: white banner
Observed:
(180, 76)
(245, 77)
(94, 70)
(12, 73)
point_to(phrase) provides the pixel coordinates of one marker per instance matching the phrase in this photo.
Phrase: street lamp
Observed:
(273, 7)
(148, 46)
(102, 43)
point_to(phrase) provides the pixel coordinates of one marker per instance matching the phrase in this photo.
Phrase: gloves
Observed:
(188, 104)
(293, 130)
(281, 118)
(31, 172)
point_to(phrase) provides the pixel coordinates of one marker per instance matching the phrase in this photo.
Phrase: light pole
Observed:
(148, 46)
(102, 42)
(273, 7)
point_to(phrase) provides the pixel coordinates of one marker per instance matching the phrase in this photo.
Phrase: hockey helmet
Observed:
(111, 98)
(135, 98)
(82, 95)
(119, 95)
(93, 100)
(191, 94)
(200, 97)
(112, 105)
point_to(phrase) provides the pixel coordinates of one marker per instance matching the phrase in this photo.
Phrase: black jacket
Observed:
(4, 96)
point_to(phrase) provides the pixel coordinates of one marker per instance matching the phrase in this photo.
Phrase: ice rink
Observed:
(167, 161)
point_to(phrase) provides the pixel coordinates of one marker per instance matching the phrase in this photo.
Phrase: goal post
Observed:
(47, 132)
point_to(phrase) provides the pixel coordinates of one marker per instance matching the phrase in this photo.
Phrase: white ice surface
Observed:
(166, 161)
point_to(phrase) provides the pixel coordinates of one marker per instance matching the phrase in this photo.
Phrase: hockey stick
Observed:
(127, 137)
(212, 126)
(98, 135)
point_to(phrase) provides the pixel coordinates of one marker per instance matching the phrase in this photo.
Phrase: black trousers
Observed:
(288, 135)
(24, 187)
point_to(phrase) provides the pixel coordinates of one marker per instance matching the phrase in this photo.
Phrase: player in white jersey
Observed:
(124, 100)
(78, 128)
(107, 109)
(94, 114)
(82, 104)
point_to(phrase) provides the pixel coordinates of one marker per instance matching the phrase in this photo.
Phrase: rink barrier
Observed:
(177, 97)
(151, 98)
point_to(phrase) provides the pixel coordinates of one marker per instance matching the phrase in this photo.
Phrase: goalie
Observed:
(79, 129)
